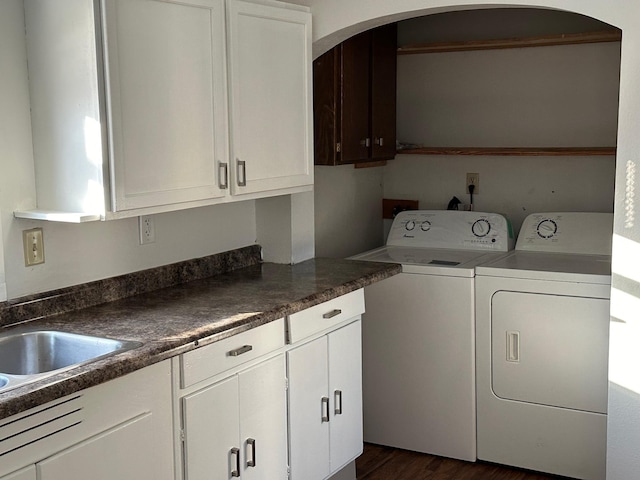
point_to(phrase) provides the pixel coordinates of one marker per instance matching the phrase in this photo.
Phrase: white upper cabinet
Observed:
(130, 104)
(166, 101)
(270, 96)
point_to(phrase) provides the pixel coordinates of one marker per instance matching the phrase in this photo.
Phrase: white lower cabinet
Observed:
(232, 407)
(237, 427)
(119, 429)
(126, 451)
(28, 473)
(325, 392)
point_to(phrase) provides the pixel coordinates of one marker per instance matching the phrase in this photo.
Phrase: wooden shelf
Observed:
(513, 151)
(523, 42)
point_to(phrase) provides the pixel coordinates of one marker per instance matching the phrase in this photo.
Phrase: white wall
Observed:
(335, 20)
(548, 97)
(513, 186)
(552, 96)
(348, 210)
(16, 164)
(79, 253)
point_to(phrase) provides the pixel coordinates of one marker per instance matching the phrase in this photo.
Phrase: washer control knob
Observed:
(425, 226)
(410, 225)
(547, 228)
(481, 228)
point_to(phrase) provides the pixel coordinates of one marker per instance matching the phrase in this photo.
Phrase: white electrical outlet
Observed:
(33, 246)
(147, 229)
(473, 179)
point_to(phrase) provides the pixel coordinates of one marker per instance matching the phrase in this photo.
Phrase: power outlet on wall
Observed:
(473, 179)
(147, 229)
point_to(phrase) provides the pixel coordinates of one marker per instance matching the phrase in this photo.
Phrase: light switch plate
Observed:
(33, 246)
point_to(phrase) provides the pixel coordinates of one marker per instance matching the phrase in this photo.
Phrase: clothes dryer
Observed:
(542, 314)
(418, 331)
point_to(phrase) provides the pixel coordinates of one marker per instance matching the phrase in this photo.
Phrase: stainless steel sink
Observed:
(30, 356)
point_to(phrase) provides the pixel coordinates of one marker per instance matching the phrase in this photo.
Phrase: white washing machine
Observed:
(419, 331)
(542, 314)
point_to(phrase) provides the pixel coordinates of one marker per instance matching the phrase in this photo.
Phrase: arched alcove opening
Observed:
(556, 97)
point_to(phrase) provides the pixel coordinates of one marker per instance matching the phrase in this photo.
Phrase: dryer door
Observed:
(550, 349)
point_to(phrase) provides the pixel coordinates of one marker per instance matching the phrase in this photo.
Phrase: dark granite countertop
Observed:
(169, 320)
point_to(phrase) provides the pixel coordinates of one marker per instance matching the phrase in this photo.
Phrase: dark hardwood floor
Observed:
(385, 463)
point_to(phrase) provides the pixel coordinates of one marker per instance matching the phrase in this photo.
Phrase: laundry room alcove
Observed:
(538, 125)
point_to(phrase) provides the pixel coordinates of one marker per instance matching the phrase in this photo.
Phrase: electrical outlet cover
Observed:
(147, 229)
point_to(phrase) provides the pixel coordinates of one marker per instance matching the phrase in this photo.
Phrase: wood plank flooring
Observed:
(385, 463)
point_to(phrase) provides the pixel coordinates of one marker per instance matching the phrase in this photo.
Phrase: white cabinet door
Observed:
(238, 425)
(125, 451)
(28, 473)
(211, 431)
(325, 403)
(345, 388)
(309, 414)
(166, 91)
(270, 97)
(263, 421)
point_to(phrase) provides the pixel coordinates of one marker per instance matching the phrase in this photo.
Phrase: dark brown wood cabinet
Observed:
(354, 99)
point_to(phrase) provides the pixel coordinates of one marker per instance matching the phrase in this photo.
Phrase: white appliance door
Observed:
(419, 365)
(550, 349)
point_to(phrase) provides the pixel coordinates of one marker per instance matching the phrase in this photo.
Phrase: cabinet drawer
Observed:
(213, 359)
(325, 315)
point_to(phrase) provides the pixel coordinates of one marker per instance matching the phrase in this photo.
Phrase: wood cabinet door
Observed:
(326, 107)
(211, 432)
(263, 420)
(125, 451)
(270, 97)
(166, 91)
(355, 103)
(345, 390)
(309, 413)
(383, 92)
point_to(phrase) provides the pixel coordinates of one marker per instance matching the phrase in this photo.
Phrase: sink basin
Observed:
(3, 381)
(38, 352)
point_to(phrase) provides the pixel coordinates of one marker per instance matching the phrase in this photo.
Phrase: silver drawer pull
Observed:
(251, 442)
(241, 171)
(325, 409)
(337, 400)
(239, 351)
(235, 452)
(333, 313)
(223, 176)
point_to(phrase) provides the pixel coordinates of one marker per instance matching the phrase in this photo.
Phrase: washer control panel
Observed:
(567, 232)
(452, 230)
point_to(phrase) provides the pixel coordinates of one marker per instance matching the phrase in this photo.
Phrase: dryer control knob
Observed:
(547, 228)
(410, 225)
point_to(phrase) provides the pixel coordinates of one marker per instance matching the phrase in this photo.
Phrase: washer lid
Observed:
(430, 261)
(550, 266)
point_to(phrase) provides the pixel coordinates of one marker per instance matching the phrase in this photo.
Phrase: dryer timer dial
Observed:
(547, 228)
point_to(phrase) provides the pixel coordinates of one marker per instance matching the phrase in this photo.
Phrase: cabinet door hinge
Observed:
(286, 383)
(288, 472)
(182, 435)
(338, 147)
